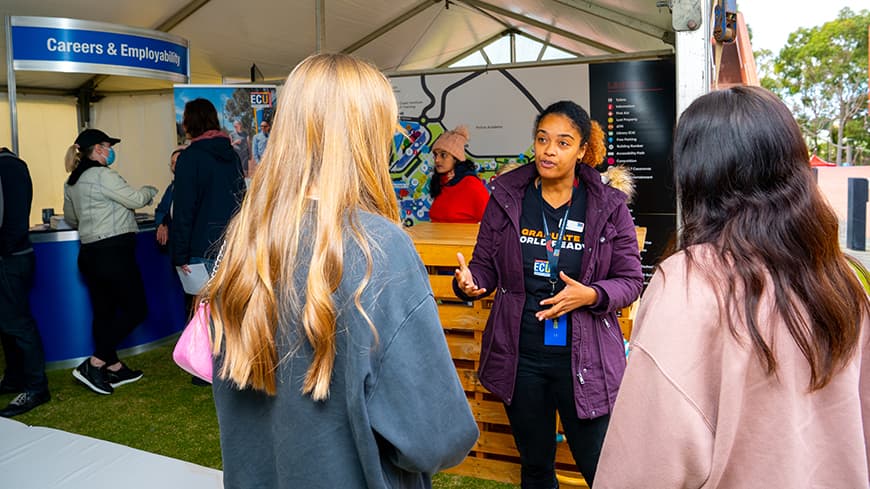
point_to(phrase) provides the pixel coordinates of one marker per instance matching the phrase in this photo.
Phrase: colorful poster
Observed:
(244, 112)
(498, 107)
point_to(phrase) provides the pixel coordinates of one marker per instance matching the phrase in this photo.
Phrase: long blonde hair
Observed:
(327, 158)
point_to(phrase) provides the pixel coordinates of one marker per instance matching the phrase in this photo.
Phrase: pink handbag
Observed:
(193, 351)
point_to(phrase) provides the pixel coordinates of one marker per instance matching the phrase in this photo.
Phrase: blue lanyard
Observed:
(554, 246)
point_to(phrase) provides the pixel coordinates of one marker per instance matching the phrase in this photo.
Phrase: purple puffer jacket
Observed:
(611, 263)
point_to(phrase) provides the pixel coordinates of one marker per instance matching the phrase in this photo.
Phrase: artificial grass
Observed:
(161, 413)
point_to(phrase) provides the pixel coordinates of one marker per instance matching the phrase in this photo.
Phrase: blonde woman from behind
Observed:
(332, 369)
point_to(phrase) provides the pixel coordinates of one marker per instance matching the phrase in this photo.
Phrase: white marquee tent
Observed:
(227, 37)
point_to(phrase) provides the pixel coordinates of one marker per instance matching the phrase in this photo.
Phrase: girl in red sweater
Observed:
(458, 194)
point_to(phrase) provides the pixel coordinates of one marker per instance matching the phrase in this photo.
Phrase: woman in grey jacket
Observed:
(332, 367)
(99, 203)
(560, 248)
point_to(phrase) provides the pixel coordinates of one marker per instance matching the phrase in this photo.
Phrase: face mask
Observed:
(111, 158)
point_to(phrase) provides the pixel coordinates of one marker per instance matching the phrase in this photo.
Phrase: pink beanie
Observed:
(453, 142)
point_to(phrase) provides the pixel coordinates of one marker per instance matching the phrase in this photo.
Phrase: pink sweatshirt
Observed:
(697, 410)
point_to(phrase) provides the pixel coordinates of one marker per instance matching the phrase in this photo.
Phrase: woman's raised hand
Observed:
(465, 279)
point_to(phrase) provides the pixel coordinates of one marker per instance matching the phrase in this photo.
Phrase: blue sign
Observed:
(76, 46)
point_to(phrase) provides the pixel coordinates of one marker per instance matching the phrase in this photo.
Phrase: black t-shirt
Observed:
(535, 263)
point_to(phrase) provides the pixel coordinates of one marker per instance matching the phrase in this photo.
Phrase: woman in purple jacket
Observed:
(560, 248)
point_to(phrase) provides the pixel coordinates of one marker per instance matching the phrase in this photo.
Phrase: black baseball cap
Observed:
(91, 137)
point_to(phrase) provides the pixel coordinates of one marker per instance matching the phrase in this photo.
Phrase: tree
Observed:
(764, 60)
(239, 108)
(822, 73)
(857, 133)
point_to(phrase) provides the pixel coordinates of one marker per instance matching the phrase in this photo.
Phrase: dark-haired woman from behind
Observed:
(749, 360)
(209, 186)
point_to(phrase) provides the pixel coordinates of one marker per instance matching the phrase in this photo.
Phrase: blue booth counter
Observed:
(61, 304)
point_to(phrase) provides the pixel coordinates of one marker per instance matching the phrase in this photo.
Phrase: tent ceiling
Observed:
(228, 36)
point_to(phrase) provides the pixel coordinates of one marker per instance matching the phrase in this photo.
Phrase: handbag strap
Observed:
(217, 263)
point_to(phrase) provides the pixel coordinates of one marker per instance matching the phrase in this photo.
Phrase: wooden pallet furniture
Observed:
(494, 457)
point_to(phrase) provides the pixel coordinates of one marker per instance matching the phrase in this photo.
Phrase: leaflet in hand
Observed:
(194, 281)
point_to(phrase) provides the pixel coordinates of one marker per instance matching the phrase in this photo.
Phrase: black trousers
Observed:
(22, 345)
(117, 293)
(544, 385)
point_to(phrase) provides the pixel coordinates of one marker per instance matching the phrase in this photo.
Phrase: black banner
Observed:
(635, 103)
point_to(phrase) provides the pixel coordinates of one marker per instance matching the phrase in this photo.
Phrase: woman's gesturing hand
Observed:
(574, 295)
(465, 279)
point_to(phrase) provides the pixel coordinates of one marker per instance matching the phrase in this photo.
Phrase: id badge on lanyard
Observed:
(555, 331)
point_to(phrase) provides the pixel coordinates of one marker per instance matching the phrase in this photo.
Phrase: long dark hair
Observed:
(461, 170)
(745, 186)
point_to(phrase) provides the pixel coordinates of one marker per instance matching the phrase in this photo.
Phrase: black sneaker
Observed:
(94, 378)
(123, 376)
(25, 402)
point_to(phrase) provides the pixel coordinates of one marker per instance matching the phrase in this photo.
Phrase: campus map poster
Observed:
(498, 107)
(241, 111)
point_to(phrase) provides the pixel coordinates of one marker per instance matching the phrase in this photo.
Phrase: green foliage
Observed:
(764, 60)
(822, 74)
(239, 108)
(162, 413)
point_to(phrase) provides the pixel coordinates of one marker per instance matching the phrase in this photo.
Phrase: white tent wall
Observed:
(47, 127)
(145, 125)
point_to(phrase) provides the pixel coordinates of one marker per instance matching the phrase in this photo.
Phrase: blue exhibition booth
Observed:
(62, 306)
(59, 298)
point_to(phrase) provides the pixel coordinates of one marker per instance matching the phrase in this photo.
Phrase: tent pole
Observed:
(606, 58)
(617, 18)
(476, 47)
(320, 19)
(10, 87)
